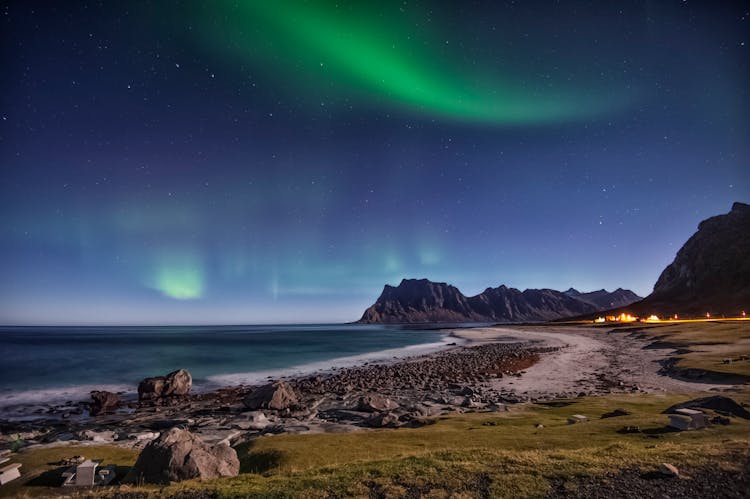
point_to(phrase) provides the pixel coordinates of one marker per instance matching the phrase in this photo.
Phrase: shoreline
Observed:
(31, 399)
(488, 369)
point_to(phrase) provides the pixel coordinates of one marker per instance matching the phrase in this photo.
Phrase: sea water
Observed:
(53, 364)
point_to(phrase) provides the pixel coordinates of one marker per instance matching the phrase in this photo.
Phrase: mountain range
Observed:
(424, 301)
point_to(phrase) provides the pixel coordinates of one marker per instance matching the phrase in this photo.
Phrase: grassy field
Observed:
(709, 344)
(470, 455)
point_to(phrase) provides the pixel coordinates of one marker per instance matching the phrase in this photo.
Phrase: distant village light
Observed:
(623, 317)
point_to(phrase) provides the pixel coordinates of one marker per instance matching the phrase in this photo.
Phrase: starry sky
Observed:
(237, 162)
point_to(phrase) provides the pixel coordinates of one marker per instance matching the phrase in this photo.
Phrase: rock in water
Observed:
(173, 384)
(278, 396)
(178, 383)
(376, 403)
(151, 388)
(179, 455)
(102, 401)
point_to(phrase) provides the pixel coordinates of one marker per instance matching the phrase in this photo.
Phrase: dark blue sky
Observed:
(207, 162)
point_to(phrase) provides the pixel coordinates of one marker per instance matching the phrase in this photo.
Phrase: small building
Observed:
(687, 419)
(577, 418)
(86, 474)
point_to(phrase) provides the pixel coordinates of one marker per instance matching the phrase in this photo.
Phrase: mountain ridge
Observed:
(425, 301)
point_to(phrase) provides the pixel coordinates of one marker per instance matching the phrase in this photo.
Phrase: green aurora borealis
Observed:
(378, 52)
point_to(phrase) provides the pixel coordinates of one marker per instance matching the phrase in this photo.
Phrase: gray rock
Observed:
(717, 403)
(179, 455)
(376, 403)
(102, 402)
(383, 420)
(256, 420)
(278, 396)
(104, 436)
(426, 410)
(173, 384)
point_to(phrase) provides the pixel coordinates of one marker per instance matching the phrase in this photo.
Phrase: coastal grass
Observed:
(461, 455)
(709, 344)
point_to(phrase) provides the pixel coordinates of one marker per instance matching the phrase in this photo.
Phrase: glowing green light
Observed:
(353, 49)
(180, 283)
(177, 273)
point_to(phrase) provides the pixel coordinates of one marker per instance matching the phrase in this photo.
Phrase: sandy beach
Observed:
(587, 361)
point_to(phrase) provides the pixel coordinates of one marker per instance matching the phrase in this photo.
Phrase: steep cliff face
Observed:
(419, 300)
(423, 301)
(711, 272)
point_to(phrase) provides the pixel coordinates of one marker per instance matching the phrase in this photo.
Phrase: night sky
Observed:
(251, 162)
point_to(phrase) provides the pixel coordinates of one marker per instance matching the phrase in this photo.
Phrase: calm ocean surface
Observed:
(42, 364)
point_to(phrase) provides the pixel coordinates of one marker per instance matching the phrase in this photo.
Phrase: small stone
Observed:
(103, 401)
(383, 420)
(278, 396)
(376, 403)
(667, 469)
(629, 429)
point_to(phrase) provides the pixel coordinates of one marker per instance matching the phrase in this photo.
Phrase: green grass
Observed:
(457, 456)
(709, 344)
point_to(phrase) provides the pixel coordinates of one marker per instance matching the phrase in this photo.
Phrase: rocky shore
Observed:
(393, 394)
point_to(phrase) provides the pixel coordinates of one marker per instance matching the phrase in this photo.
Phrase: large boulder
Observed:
(716, 403)
(176, 383)
(102, 402)
(376, 403)
(278, 396)
(179, 455)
